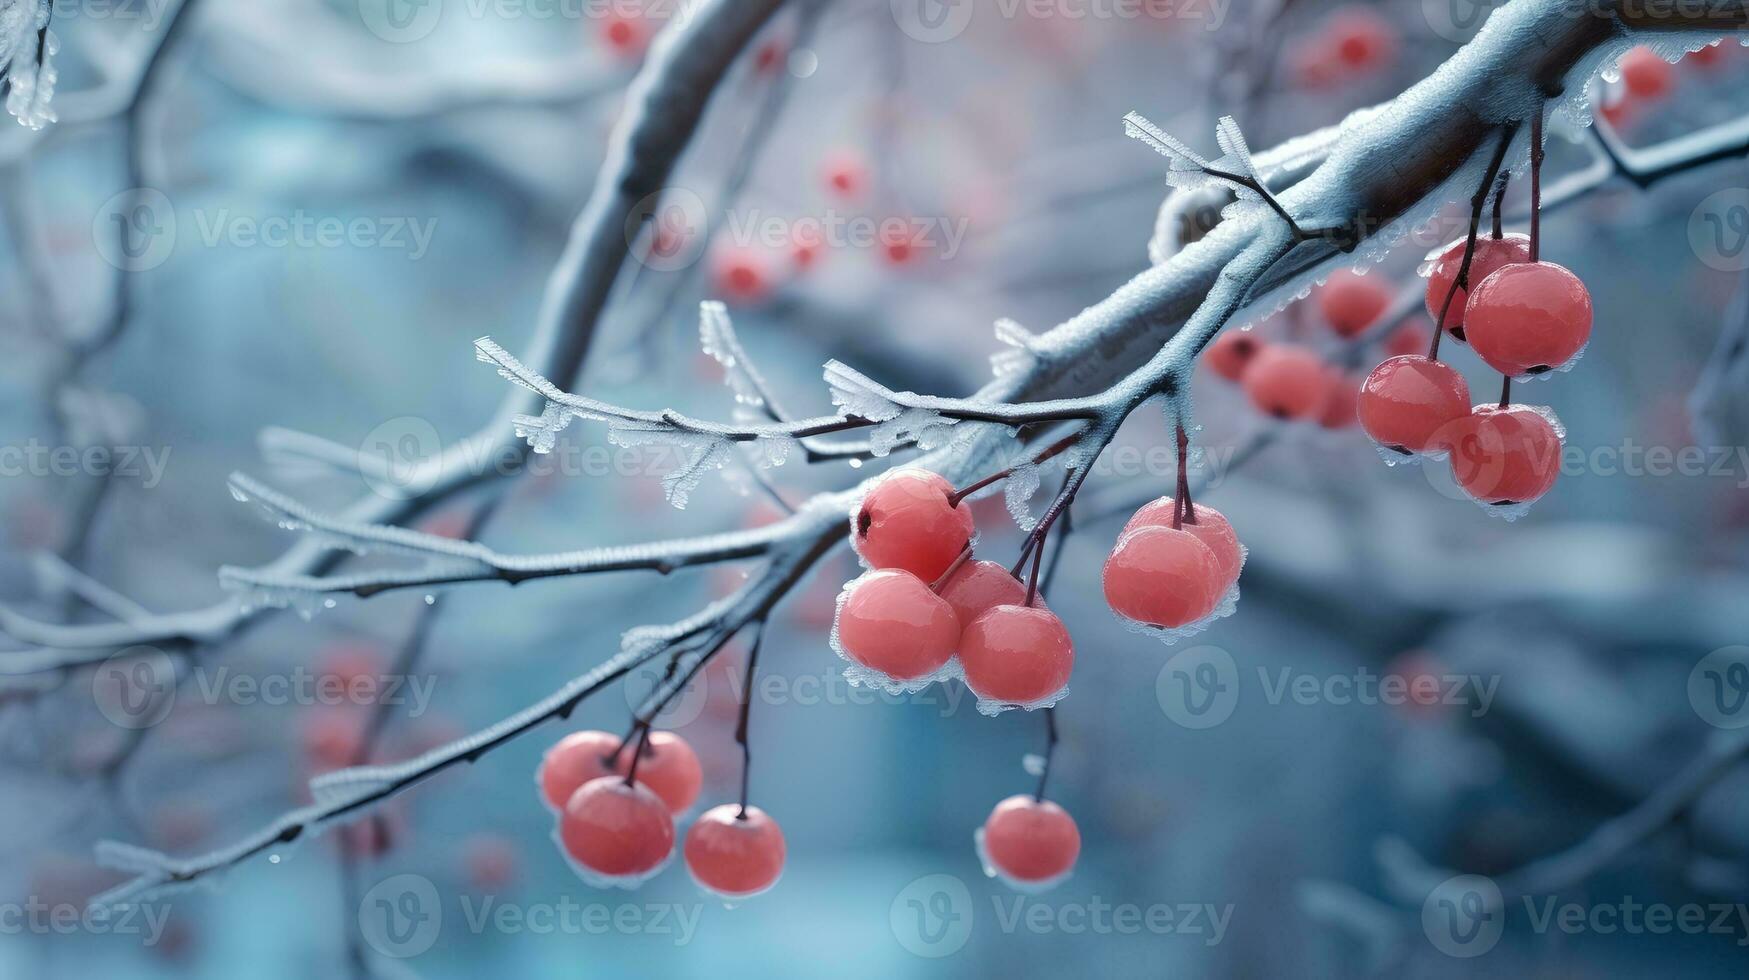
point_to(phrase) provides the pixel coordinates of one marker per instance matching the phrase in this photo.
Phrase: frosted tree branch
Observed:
(663, 108)
(1381, 173)
(446, 561)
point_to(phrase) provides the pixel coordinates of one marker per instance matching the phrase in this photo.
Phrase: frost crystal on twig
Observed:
(29, 48)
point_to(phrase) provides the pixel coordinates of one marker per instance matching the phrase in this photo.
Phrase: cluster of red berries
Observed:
(1173, 569)
(1290, 382)
(617, 825)
(927, 611)
(1523, 318)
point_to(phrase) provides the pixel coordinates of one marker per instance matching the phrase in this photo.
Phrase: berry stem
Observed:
(960, 559)
(1050, 752)
(1072, 481)
(1057, 555)
(1038, 554)
(1505, 390)
(1477, 203)
(1183, 509)
(746, 709)
(1044, 454)
(1499, 203)
(638, 753)
(1536, 183)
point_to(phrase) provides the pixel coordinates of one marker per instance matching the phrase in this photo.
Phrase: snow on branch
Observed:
(663, 109)
(445, 561)
(351, 793)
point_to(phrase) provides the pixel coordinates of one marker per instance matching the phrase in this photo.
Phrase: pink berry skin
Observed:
(1231, 352)
(1211, 528)
(1410, 338)
(576, 759)
(977, 586)
(1363, 40)
(1645, 74)
(1163, 577)
(1508, 455)
(890, 622)
(1407, 403)
(1016, 654)
(1351, 303)
(733, 854)
(1031, 840)
(1492, 255)
(742, 276)
(1286, 382)
(1529, 318)
(615, 830)
(907, 522)
(1342, 404)
(669, 767)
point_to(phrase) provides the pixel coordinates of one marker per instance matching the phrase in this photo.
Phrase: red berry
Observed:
(1341, 407)
(615, 830)
(669, 767)
(1316, 64)
(1410, 338)
(1351, 303)
(978, 586)
(1030, 841)
(907, 521)
(1211, 528)
(1505, 455)
(1231, 352)
(1491, 255)
(845, 174)
(742, 275)
(769, 57)
(1163, 577)
(1286, 382)
(1363, 40)
(807, 243)
(1529, 318)
(734, 854)
(1706, 57)
(1407, 402)
(1616, 113)
(490, 861)
(1016, 654)
(628, 37)
(889, 621)
(1646, 75)
(332, 738)
(898, 245)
